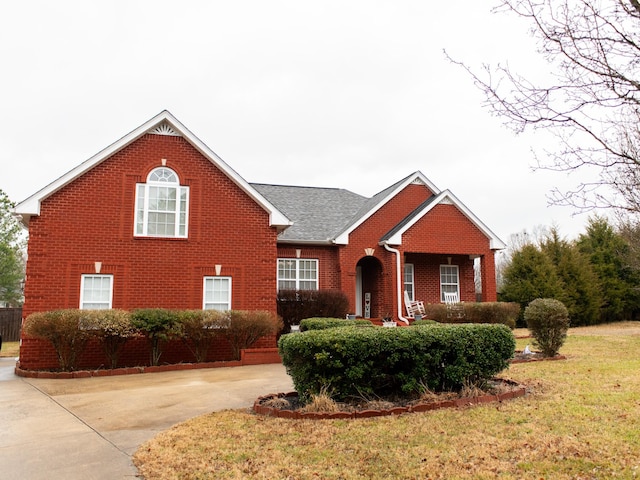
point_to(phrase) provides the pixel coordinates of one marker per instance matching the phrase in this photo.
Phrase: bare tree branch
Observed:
(592, 101)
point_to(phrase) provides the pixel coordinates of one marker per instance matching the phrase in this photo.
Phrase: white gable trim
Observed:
(416, 178)
(167, 124)
(448, 198)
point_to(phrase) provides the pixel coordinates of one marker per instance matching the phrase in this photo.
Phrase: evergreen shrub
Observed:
(548, 321)
(159, 325)
(356, 362)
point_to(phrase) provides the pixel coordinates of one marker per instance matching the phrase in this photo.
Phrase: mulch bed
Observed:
(287, 405)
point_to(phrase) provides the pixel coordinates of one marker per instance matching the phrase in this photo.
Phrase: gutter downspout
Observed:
(398, 281)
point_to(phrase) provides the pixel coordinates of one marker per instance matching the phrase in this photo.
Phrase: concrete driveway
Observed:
(88, 428)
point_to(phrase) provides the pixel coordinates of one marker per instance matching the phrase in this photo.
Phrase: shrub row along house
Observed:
(157, 219)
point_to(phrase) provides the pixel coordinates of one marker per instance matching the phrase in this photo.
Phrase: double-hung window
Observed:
(409, 282)
(297, 274)
(217, 293)
(449, 280)
(162, 205)
(96, 292)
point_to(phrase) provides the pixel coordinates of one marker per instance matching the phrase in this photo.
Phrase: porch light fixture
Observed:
(369, 251)
(98, 266)
(218, 270)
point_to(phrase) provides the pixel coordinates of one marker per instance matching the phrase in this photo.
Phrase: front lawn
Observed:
(10, 349)
(580, 419)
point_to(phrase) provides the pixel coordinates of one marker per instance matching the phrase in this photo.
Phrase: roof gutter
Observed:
(398, 281)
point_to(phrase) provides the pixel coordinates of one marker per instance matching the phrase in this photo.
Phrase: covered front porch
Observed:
(381, 282)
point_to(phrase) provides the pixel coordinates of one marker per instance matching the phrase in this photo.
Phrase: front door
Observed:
(369, 301)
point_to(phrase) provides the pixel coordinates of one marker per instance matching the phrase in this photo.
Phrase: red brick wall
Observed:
(368, 235)
(328, 266)
(448, 232)
(92, 220)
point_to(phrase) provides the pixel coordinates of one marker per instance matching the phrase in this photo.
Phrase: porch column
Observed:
(488, 275)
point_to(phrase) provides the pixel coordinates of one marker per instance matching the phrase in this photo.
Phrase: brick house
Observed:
(157, 219)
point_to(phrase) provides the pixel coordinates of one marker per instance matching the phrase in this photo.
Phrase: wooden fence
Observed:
(10, 324)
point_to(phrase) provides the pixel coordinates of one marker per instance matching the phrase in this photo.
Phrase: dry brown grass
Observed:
(10, 349)
(580, 420)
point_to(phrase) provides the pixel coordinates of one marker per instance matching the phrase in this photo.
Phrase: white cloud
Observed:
(348, 94)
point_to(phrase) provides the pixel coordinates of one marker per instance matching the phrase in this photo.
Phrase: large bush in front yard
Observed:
(548, 321)
(505, 313)
(244, 328)
(159, 325)
(64, 329)
(356, 362)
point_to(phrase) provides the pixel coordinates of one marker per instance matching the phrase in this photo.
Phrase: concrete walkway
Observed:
(88, 428)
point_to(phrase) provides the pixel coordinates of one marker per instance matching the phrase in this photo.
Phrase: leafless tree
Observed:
(590, 102)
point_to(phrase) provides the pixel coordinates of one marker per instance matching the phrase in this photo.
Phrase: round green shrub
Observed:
(548, 321)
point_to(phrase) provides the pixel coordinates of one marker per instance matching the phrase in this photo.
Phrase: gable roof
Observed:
(394, 236)
(379, 200)
(162, 124)
(318, 214)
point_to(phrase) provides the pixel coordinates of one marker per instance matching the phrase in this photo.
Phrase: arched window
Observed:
(162, 205)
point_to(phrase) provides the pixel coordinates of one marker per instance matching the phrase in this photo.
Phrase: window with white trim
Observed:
(162, 205)
(217, 293)
(297, 274)
(449, 280)
(409, 283)
(96, 292)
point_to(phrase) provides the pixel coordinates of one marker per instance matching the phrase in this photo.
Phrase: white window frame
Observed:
(100, 304)
(449, 286)
(297, 262)
(166, 179)
(409, 280)
(216, 304)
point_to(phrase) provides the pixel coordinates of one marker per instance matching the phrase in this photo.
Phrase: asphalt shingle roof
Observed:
(318, 214)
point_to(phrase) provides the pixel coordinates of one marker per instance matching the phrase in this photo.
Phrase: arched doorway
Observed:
(369, 290)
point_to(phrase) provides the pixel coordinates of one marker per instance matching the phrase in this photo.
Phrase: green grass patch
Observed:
(580, 419)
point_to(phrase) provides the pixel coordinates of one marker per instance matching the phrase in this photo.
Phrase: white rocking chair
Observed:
(414, 307)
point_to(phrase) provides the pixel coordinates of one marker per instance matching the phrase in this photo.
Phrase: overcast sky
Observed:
(348, 94)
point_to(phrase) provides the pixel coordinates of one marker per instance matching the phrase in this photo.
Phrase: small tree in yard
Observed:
(112, 328)
(245, 328)
(159, 324)
(198, 328)
(548, 321)
(64, 330)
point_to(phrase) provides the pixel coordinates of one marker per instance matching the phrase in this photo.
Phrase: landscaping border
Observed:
(249, 356)
(264, 410)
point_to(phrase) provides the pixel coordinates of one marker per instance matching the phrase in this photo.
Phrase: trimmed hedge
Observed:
(325, 323)
(505, 313)
(356, 362)
(66, 332)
